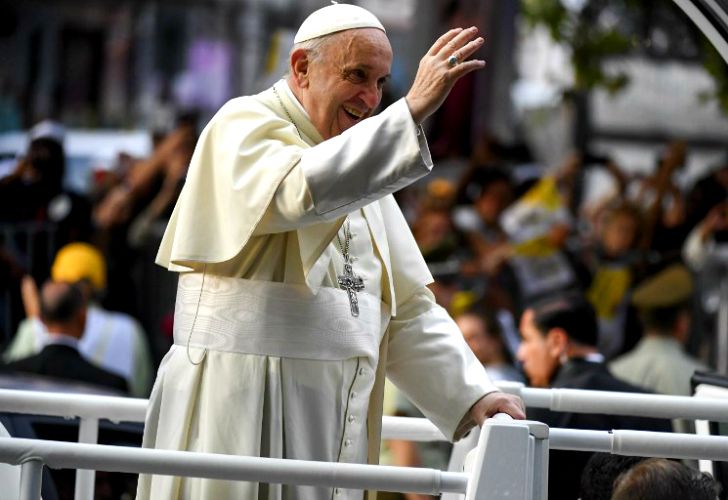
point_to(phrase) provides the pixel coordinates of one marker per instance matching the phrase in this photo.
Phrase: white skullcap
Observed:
(333, 18)
(48, 129)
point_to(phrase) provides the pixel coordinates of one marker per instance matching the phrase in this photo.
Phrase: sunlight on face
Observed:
(344, 82)
(538, 362)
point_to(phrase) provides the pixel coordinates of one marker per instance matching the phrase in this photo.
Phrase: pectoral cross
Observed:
(352, 284)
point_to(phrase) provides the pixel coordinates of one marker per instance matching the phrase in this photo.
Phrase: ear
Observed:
(556, 342)
(300, 67)
(681, 330)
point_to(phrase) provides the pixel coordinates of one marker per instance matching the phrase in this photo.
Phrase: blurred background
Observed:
(591, 153)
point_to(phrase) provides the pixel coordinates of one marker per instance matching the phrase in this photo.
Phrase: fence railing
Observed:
(90, 409)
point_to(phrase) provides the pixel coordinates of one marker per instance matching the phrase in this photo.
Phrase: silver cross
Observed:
(352, 284)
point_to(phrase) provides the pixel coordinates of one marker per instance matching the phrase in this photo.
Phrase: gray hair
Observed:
(314, 48)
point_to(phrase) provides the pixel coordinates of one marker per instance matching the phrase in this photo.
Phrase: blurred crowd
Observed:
(548, 287)
(557, 289)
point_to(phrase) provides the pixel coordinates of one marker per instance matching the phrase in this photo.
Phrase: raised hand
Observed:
(438, 70)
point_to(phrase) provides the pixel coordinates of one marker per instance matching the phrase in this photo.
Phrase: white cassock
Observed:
(268, 359)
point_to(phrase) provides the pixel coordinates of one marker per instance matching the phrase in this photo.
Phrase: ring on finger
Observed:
(452, 61)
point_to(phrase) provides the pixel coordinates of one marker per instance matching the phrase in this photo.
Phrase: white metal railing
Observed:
(30, 452)
(92, 408)
(620, 403)
(118, 409)
(522, 476)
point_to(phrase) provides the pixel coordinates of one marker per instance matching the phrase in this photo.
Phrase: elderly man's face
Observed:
(539, 357)
(343, 84)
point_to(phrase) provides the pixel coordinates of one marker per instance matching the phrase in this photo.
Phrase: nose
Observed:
(371, 96)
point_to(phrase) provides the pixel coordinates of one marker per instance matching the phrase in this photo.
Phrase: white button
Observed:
(362, 371)
(353, 395)
(337, 491)
(347, 443)
(352, 419)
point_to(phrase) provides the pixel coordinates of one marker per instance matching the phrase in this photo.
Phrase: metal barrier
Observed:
(90, 409)
(510, 464)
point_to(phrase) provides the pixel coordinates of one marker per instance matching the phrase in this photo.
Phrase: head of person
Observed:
(600, 472)
(664, 302)
(658, 478)
(340, 61)
(552, 331)
(83, 265)
(496, 193)
(45, 157)
(482, 332)
(620, 230)
(63, 308)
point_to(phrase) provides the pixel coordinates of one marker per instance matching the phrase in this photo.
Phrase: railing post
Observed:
(506, 459)
(88, 432)
(31, 477)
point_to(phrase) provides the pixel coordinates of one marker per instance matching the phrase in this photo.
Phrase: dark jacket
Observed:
(65, 362)
(565, 467)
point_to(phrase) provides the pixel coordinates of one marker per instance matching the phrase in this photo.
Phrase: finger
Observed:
(443, 40)
(469, 49)
(458, 41)
(462, 69)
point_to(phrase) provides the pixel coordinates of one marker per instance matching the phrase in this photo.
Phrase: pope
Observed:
(301, 286)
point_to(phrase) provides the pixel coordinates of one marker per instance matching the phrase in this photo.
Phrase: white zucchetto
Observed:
(333, 18)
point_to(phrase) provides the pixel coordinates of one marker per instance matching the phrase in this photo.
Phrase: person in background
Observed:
(114, 341)
(709, 233)
(600, 472)
(558, 350)
(613, 263)
(664, 203)
(659, 361)
(63, 313)
(35, 191)
(662, 479)
(483, 334)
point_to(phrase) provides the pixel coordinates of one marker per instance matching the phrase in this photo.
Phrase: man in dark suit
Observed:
(63, 311)
(558, 349)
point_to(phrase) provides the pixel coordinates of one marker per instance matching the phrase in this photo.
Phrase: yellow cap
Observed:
(77, 261)
(671, 286)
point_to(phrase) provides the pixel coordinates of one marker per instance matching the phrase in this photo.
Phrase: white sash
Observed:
(276, 319)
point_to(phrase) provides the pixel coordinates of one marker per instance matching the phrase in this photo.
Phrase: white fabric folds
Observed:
(276, 319)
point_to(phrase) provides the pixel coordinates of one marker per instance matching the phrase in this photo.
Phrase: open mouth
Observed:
(353, 113)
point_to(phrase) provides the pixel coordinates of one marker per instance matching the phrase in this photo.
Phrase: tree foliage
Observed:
(601, 30)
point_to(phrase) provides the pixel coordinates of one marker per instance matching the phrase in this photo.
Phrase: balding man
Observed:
(63, 313)
(301, 283)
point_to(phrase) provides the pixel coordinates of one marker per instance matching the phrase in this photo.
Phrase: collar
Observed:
(652, 341)
(594, 357)
(287, 89)
(295, 111)
(577, 367)
(55, 338)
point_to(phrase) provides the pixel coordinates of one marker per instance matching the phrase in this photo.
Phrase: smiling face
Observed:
(342, 84)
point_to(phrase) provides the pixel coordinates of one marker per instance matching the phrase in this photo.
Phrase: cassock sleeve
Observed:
(429, 361)
(367, 162)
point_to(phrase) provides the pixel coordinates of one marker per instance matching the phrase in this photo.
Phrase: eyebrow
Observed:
(366, 67)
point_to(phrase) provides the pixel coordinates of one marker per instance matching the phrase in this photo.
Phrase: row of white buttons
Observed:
(352, 429)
